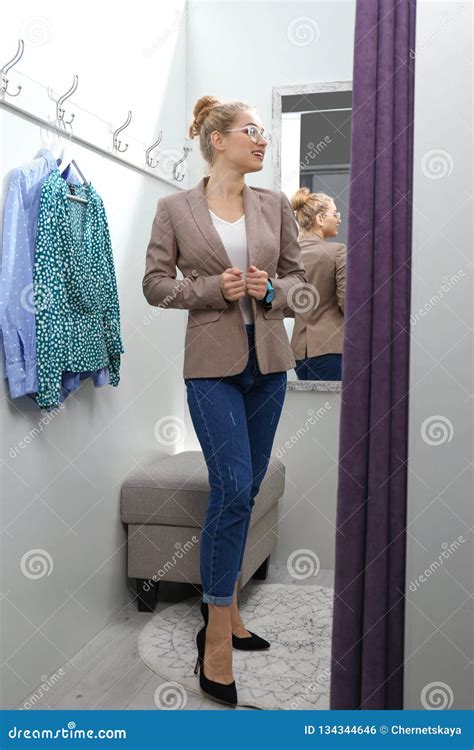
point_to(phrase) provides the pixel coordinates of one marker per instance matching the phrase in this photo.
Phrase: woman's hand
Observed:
(232, 284)
(256, 282)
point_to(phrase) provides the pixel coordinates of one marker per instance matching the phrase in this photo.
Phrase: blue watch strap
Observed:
(267, 300)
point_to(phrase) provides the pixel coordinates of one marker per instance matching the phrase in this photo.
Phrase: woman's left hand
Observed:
(256, 282)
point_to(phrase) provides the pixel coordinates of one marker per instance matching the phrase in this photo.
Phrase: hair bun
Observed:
(201, 109)
(300, 198)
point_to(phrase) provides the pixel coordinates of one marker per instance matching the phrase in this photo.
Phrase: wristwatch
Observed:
(270, 295)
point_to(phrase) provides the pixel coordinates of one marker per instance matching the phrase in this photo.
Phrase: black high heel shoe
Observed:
(217, 690)
(247, 643)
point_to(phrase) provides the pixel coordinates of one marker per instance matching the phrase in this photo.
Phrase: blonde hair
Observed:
(308, 205)
(210, 113)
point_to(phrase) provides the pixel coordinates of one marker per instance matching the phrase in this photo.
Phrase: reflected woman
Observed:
(319, 323)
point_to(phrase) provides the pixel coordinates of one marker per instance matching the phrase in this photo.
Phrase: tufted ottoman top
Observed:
(174, 491)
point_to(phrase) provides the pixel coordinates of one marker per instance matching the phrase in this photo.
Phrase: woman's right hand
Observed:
(232, 284)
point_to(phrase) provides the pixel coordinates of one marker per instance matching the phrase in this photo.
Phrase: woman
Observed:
(238, 250)
(319, 323)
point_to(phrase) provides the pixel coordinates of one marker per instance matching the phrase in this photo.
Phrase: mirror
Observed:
(311, 164)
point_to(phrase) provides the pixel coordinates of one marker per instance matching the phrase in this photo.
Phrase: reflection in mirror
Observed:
(312, 137)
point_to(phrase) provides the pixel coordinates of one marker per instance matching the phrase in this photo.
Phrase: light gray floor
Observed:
(109, 674)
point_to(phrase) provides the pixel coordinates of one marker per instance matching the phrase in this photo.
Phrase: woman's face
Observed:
(329, 221)
(239, 150)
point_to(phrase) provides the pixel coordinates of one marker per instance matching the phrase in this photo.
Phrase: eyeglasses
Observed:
(253, 133)
(336, 214)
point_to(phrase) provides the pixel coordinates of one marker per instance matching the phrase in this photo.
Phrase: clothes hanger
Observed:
(72, 196)
(63, 152)
(67, 161)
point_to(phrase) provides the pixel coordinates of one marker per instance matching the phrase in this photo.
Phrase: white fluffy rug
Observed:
(292, 674)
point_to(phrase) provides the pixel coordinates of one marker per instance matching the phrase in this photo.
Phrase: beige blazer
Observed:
(183, 236)
(320, 329)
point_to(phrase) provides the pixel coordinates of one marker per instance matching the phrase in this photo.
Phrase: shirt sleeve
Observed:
(111, 314)
(291, 273)
(49, 301)
(159, 282)
(17, 316)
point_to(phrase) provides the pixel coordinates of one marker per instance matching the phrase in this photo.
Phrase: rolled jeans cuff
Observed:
(222, 601)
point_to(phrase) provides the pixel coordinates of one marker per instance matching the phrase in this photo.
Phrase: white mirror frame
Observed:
(277, 93)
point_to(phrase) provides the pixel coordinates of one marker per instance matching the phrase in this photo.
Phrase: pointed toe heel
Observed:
(248, 643)
(216, 690)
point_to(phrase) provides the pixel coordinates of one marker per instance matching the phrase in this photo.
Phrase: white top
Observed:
(234, 238)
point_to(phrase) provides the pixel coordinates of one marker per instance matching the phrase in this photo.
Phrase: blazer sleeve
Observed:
(159, 284)
(341, 255)
(290, 269)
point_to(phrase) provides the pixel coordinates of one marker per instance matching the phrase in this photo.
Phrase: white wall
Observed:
(439, 555)
(61, 492)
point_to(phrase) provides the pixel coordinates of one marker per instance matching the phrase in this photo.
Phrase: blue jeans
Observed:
(235, 419)
(324, 367)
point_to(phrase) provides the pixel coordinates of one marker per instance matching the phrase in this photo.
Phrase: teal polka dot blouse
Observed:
(77, 314)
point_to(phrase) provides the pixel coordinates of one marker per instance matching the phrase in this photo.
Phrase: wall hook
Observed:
(179, 174)
(151, 162)
(10, 64)
(59, 104)
(116, 142)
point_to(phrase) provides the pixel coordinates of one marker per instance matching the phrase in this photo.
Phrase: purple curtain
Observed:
(368, 626)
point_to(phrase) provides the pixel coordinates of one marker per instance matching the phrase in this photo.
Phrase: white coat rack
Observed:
(142, 162)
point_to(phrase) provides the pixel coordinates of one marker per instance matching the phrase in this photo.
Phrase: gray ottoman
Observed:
(164, 506)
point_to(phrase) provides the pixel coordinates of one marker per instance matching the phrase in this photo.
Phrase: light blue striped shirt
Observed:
(17, 309)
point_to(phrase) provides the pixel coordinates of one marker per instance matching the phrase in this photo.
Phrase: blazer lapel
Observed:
(198, 204)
